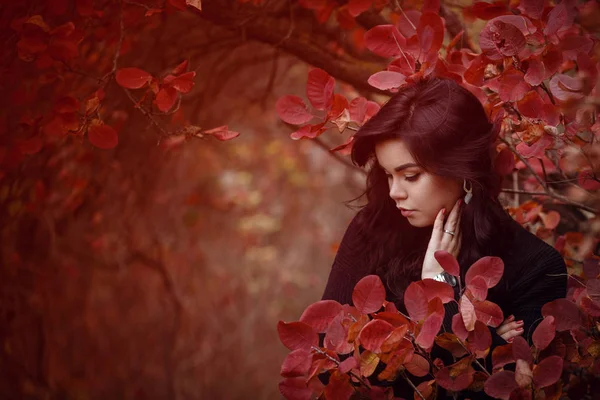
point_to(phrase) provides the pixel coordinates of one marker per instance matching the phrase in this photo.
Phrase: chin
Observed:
(418, 223)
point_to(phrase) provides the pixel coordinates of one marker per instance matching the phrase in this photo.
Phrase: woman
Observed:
(431, 186)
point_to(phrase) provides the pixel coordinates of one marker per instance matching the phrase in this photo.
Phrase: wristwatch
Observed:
(446, 278)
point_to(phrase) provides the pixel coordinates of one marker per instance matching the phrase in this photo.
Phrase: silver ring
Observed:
(449, 232)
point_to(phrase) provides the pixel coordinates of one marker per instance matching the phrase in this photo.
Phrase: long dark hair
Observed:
(448, 134)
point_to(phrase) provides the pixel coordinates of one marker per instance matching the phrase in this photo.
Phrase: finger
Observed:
(451, 225)
(512, 334)
(508, 326)
(438, 226)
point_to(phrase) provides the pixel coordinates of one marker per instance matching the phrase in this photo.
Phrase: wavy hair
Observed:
(448, 134)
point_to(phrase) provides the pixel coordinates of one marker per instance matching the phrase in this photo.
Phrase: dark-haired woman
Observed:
(431, 186)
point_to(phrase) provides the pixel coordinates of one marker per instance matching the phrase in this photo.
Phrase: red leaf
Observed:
(533, 106)
(478, 288)
(532, 8)
(456, 377)
(308, 131)
(510, 86)
(557, 18)
(448, 262)
(336, 337)
(591, 307)
(368, 294)
(103, 137)
(345, 148)
(431, 325)
(339, 387)
(357, 7)
(544, 333)
(358, 108)
(489, 313)
(574, 45)
(566, 314)
(180, 69)
(417, 366)
(374, 333)
(295, 389)
(458, 327)
(297, 335)
(502, 355)
(407, 23)
(434, 289)
(521, 350)
(348, 364)
(297, 363)
(537, 149)
(548, 371)
(165, 98)
(338, 105)
(184, 83)
(415, 302)
(535, 72)
(132, 78)
(500, 384)
(499, 39)
(523, 23)
(480, 340)
(319, 88)
(505, 162)
(372, 109)
(566, 88)
(384, 40)
(490, 268)
(291, 109)
(320, 314)
(222, 133)
(431, 33)
(385, 80)
(467, 311)
(487, 11)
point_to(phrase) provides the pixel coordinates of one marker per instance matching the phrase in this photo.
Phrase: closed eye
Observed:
(412, 178)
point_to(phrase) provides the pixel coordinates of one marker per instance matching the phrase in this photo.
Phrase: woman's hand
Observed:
(510, 329)
(441, 240)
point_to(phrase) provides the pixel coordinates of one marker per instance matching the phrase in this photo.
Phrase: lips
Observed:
(405, 212)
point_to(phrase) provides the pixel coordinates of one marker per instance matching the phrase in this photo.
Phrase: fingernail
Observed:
(511, 317)
(510, 340)
(443, 211)
(459, 201)
(520, 322)
(519, 329)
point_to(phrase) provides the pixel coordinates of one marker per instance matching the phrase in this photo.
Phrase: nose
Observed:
(397, 192)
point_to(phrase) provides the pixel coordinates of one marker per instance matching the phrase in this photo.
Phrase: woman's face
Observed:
(418, 194)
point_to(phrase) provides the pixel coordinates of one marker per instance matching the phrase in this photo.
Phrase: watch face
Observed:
(450, 279)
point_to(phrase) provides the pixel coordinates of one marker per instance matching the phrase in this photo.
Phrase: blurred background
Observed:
(159, 269)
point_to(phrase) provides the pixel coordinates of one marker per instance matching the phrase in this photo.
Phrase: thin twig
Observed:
(524, 160)
(339, 158)
(337, 363)
(412, 385)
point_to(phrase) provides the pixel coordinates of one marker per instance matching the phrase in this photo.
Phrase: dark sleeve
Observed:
(349, 265)
(543, 280)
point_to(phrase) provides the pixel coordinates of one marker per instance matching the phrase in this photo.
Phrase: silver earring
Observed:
(469, 191)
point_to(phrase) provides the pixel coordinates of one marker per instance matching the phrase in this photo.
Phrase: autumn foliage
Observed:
(535, 67)
(372, 333)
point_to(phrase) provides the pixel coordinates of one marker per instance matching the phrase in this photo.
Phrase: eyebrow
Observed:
(404, 166)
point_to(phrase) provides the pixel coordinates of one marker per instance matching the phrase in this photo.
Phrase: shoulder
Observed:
(530, 258)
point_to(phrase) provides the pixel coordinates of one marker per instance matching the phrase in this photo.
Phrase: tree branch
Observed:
(302, 43)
